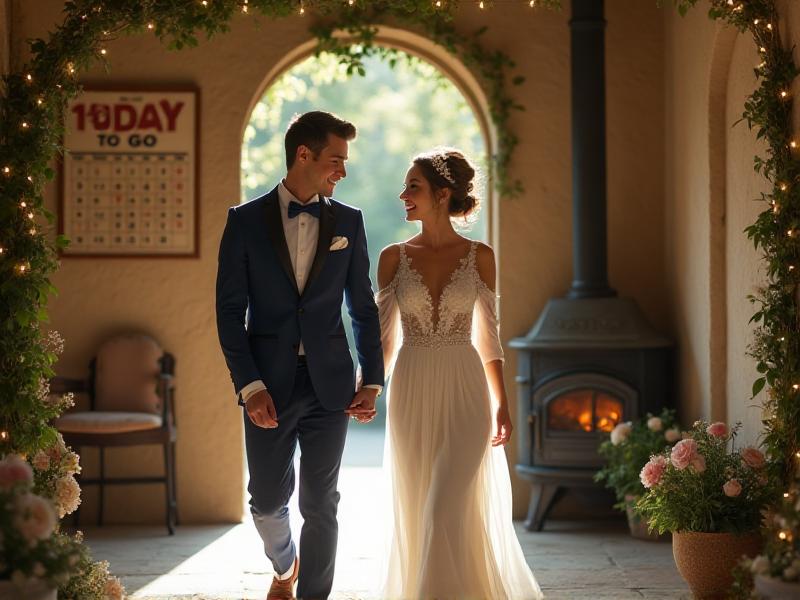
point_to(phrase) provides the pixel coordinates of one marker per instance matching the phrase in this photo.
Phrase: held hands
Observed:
(362, 408)
(261, 410)
(504, 427)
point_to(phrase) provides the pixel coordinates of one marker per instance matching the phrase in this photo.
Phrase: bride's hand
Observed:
(504, 427)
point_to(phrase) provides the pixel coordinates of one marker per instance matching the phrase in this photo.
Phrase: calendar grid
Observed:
(123, 202)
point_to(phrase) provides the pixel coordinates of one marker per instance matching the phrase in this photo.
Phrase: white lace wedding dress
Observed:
(452, 534)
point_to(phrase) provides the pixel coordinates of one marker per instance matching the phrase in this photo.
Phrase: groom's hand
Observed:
(362, 408)
(261, 410)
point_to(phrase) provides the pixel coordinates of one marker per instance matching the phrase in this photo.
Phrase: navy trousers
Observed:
(270, 457)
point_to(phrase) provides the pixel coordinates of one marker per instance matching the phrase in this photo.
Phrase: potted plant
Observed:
(710, 495)
(626, 451)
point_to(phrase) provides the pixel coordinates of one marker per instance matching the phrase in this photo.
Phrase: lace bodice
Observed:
(464, 313)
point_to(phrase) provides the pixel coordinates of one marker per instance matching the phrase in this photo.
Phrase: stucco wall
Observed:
(174, 299)
(711, 197)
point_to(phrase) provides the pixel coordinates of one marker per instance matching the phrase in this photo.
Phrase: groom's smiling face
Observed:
(326, 169)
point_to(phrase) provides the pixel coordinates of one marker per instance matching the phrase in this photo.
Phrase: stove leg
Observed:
(543, 496)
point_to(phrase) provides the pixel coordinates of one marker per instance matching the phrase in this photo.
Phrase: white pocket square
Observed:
(338, 242)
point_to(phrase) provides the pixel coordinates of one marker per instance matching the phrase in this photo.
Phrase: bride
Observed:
(452, 534)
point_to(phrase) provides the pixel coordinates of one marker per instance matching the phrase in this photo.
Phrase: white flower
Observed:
(35, 518)
(654, 424)
(71, 463)
(113, 589)
(760, 564)
(620, 433)
(41, 462)
(68, 495)
(672, 435)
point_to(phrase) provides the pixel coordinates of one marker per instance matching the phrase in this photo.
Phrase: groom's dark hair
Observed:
(311, 129)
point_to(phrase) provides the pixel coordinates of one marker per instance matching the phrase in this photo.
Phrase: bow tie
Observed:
(295, 208)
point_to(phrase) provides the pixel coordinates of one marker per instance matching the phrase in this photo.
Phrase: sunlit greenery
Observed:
(398, 111)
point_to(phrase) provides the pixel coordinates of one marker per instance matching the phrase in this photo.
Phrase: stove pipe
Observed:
(589, 258)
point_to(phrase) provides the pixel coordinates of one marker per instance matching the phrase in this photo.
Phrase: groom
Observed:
(285, 261)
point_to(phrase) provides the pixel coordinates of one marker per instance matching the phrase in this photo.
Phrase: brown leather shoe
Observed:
(284, 589)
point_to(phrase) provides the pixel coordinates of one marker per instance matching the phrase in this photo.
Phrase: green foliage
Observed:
(632, 450)
(693, 498)
(490, 66)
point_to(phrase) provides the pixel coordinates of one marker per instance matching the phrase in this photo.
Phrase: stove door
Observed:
(573, 415)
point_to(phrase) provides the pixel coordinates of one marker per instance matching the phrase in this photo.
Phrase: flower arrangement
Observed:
(781, 556)
(31, 550)
(704, 484)
(628, 449)
(34, 553)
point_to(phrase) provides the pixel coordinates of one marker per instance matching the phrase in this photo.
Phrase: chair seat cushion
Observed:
(107, 422)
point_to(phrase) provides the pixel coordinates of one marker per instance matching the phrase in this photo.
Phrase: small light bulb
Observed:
(103, 51)
(7, 170)
(762, 49)
(2, 250)
(70, 68)
(3, 435)
(29, 77)
(39, 101)
(789, 233)
(30, 215)
(781, 339)
(151, 26)
(782, 535)
(784, 187)
(204, 2)
(23, 204)
(29, 178)
(244, 8)
(755, 21)
(351, 2)
(438, 3)
(481, 5)
(785, 494)
(24, 124)
(791, 267)
(32, 231)
(769, 26)
(784, 93)
(302, 10)
(793, 144)
(796, 387)
(21, 268)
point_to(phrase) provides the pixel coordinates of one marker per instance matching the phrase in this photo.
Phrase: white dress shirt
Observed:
(301, 235)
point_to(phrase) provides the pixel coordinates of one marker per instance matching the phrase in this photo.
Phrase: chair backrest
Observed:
(126, 374)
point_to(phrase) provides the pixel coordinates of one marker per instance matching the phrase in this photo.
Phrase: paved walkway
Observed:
(575, 560)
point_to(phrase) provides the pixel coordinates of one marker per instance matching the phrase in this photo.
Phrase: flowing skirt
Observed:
(451, 535)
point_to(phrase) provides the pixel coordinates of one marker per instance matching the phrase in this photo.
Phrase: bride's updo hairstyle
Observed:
(449, 168)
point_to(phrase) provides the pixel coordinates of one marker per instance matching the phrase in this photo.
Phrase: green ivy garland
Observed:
(768, 110)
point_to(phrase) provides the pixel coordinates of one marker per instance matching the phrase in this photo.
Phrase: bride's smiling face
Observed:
(418, 196)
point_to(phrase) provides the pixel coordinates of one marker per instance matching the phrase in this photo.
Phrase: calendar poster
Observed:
(128, 185)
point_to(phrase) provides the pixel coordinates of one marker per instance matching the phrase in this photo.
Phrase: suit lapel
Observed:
(327, 225)
(278, 237)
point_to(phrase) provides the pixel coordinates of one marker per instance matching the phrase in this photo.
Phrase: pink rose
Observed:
(35, 518)
(683, 453)
(718, 430)
(753, 457)
(672, 435)
(653, 471)
(14, 470)
(699, 463)
(732, 488)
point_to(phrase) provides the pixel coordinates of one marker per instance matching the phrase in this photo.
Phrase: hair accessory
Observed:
(439, 163)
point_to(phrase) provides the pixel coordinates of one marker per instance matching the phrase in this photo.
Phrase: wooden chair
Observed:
(131, 403)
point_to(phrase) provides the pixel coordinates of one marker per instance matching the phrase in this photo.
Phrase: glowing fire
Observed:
(584, 410)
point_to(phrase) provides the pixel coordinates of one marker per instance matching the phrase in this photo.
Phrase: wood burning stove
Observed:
(591, 360)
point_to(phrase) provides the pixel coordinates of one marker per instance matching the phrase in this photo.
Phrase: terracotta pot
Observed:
(639, 526)
(706, 560)
(770, 588)
(31, 591)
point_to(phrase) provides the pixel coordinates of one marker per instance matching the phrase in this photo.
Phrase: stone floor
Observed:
(575, 560)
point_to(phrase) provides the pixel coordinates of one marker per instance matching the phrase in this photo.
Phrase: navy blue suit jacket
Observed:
(262, 317)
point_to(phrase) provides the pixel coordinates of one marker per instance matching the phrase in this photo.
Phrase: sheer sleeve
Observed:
(391, 329)
(485, 328)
